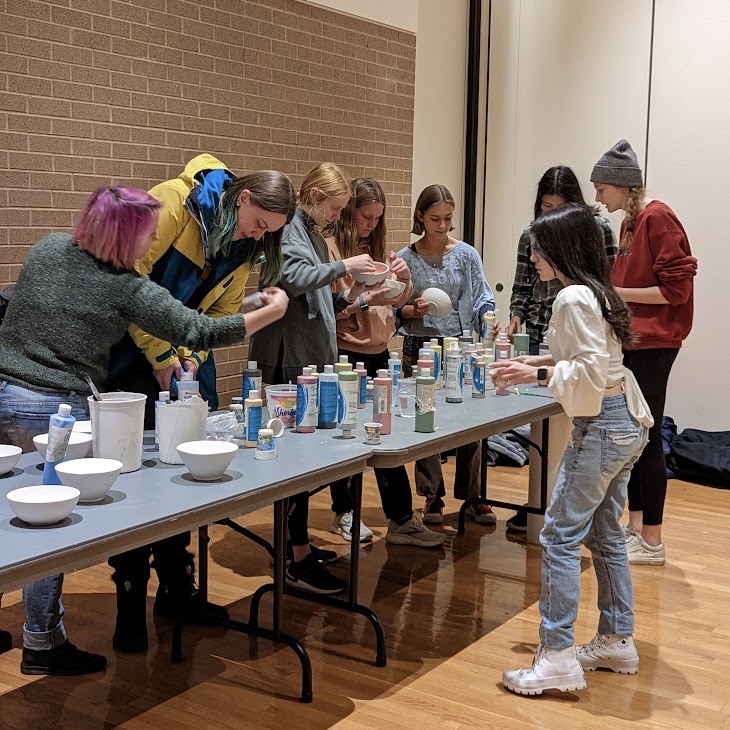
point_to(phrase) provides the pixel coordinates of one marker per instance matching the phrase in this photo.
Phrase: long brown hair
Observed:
(365, 191)
(432, 195)
(633, 206)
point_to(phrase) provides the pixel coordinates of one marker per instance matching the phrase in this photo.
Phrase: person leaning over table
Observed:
(76, 295)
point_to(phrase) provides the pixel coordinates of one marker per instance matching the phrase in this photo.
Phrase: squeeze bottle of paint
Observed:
(454, 374)
(437, 361)
(502, 347)
(488, 330)
(465, 339)
(362, 384)
(347, 402)
(468, 358)
(253, 405)
(343, 364)
(305, 420)
(59, 432)
(425, 402)
(480, 378)
(521, 344)
(445, 353)
(425, 363)
(394, 369)
(251, 379)
(327, 413)
(162, 400)
(488, 358)
(187, 386)
(382, 398)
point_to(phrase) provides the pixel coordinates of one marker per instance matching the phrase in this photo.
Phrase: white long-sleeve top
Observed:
(588, 357)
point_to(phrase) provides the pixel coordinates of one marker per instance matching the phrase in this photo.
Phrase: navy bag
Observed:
(669, 432)
(702, 457)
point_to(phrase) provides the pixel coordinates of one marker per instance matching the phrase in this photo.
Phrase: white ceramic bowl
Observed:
(381, 271)
(207, 460)
(78, 445)
(82, 426)
(9, 456)
(92, 477)
(439, 302)
(396, 288)
(44, 505)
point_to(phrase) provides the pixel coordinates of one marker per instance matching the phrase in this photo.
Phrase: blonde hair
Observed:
(633, 207)
(323, 181)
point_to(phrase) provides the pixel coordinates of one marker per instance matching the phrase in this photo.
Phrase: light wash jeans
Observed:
(586, 505)
(24, 413)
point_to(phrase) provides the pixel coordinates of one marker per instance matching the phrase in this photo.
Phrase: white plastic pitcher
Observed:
(117, 426)
(177, 423)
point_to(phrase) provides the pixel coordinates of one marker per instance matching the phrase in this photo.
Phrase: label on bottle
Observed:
(58, 438)
(328, 401)
(380, 399)
(250, 382)
(425, 398)
(306, 414)
(253, 422)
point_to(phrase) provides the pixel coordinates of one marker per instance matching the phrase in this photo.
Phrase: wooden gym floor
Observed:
(454, 619)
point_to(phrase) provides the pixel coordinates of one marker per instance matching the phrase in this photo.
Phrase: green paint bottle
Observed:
(425, 402)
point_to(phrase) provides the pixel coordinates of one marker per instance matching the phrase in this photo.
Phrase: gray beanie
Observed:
(619, 166)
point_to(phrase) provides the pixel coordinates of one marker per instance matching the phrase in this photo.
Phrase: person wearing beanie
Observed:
(653, 273)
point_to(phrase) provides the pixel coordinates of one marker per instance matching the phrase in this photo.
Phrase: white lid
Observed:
(359, 366)
(394, 355)
(164, 395)
(434, 341)
(466, 333)
(383, 373)
(306, 371)
(64, 409)
(188, 375)
(329, 368)
(266, 432)
(345, 359)
(253, 365)
(313, 368)
(454, 347)
(236, 407)
(253, 394)
(237, 399)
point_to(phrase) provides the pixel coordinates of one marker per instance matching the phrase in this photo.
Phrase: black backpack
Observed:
(5, 296)
(702, 457)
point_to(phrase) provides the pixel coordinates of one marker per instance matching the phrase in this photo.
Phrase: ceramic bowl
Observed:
(439, 302)
(78, 445)
(396, 288)
(44, 505)
(381, 271)
(207, 460)
(92, 477)
(9, 456)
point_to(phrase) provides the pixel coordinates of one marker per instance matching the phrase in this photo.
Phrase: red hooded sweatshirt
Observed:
(659, 256)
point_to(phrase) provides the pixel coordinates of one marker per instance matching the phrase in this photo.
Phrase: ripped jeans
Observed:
(585, 508)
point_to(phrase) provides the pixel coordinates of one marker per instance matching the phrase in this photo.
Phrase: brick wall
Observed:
(100, 91)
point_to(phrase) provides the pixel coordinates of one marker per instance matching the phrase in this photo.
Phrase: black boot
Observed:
(130, 634)
(177, 593)
(65, 659)
(6, 641)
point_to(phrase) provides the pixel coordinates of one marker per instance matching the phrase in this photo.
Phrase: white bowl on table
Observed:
(381, 272)
(9, 456)
(78, 444)
(207, 461)
(439, 302)
(92, 477)
(43, 505)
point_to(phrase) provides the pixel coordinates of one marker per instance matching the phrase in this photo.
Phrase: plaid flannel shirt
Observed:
(532, 299)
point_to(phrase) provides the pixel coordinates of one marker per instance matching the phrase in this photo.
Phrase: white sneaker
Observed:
(632, 537)
(342, 525)
(640, 553)
(413, 532)
(552, 669)
(609, 651)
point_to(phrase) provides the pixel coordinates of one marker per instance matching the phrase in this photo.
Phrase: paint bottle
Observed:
(362, 384)
(251, 379)
(327, 413)
(382, 398)
(437, 362)
(347, 402)
(487, 332)
(162, 400)
(237, 410)
(465, 338)
(343, 364)
(305, 420)
(454, 374)
(313, 368)
(425, 363)
(502, 347)
(468, 358)
(446, 348)
(59, 432)
(488, 358)
(425, 401)
(521, 344)
(479, 380)
(187, 386)
(394, 370)
(254, 407)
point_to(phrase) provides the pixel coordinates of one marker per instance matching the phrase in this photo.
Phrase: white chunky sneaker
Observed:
(413, 532)
(342, 525)
(609, 651)
(641, 553)
(632, 537)
(552, 669)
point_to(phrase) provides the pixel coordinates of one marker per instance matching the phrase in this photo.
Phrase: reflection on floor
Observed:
(454, 619)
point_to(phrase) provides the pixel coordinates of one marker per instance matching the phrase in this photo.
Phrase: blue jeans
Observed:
(24, 413)
(586, 505)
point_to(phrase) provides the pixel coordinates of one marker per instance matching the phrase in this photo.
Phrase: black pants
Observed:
(648, 482)
(172, 552)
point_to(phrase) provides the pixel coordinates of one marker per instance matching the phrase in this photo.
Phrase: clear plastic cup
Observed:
(407, 397)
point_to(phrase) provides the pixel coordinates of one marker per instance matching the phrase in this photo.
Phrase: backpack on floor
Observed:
(702, 457)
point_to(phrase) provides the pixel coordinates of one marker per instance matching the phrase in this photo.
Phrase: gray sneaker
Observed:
(413, 532)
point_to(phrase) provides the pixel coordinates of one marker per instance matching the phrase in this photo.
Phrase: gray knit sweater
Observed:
(68, 309)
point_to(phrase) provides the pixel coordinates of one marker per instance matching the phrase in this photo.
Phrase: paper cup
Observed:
(372, 433)
(276, 425)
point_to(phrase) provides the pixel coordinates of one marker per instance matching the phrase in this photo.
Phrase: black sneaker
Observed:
(518, 522)
(169, 605)
(324, 557)
(65, 659)
(310, 575)
(6, 641)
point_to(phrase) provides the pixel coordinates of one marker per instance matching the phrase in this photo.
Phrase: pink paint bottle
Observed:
(362, 384)
(382, 396)
(425, 363)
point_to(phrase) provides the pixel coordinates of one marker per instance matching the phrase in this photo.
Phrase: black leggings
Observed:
(648, 482)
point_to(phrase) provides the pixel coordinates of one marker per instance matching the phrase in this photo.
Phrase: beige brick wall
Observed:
(100, 91)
